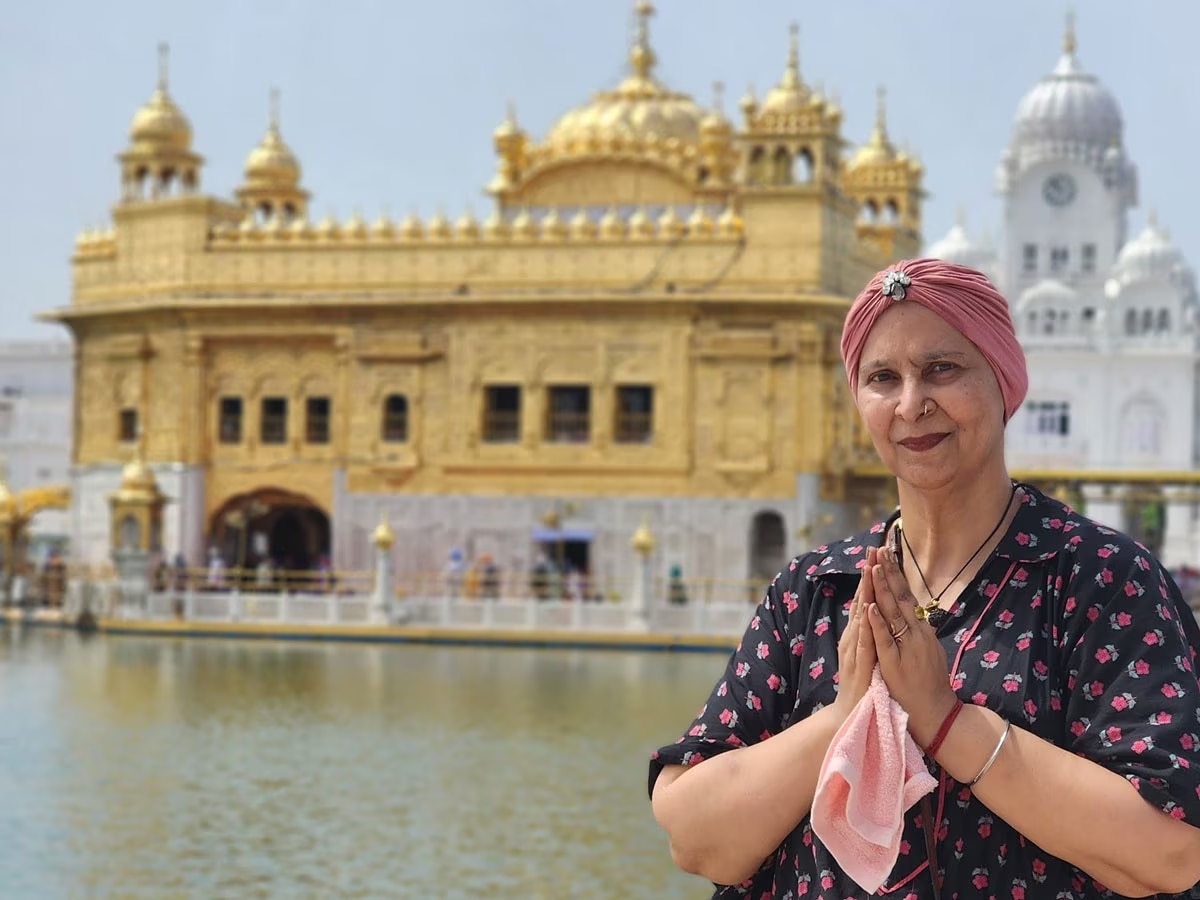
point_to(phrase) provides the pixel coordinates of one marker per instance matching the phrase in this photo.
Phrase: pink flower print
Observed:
(728, 717)
(816, 668)
(1122, 702)
(826, 879)
(1041, 670)
(1039, 870)
(1058, 583)
(742, 669)
(1023, 539)
(1123, 620)
(1152, 638)
(1174, 811)
(958, 848)
(979, 699)
(1079, 726)
(698, 730)
(1021, 576)
(775, 634)
(1018, 889)
(905, 848)
(1012, 682)
(1107, 653)
(1141, 745)
(1182, 664)
(763, 650)
(1031, 709)
(1172, 690)
(1164, 613)
(1069, 605)
(860, 564)
(990, 659)
(765, 735)
(1005, 619)
(1161, 718)
(1095, 689)
(1132, 589)
(853, 551)
(1056, 702)
(691, 757)
(1141, 667)
(774, 681)
(985, 827)
(1104, 576)
(979, 878)
(1110, 735)
(790, 603)
(1189, 741)
(1024, 640)
(1093, 613)
(811, 570)
(957, 681)
(822, 625)
(1056, 524)
(753, 701)
(723, 689)
(1106, 551)
(792, 565)
(797, 645)
(755, 623)
(991, 590)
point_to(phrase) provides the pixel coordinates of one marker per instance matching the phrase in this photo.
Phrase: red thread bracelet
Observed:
(945, 729)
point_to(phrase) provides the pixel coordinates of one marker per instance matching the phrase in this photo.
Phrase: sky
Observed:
(390, 104)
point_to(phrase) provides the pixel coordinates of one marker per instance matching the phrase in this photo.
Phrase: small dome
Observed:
(1069, 109)
(272, 161)
(878, 149)
(790, 95)
(957, 247)
(638, 110)
(1047, 293)
(160, 124)
(1151, 255)
(137, 477)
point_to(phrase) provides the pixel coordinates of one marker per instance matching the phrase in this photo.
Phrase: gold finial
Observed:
(641, 56)
(510, 111)
(880, 115)
(164, 56)
(383, 537)
(274, 109)
(791, 75)
(1069, 42)
(718, 97)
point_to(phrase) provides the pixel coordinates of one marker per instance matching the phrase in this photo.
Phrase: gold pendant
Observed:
(924, 611)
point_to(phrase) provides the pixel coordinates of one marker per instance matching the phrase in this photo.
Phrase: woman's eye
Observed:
(942, 367)
(879, 377)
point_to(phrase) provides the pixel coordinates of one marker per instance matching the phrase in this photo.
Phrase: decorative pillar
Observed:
(136, 533)
(643, 545)
(384, 609)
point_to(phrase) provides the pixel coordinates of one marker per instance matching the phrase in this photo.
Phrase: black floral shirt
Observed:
(1070, 630)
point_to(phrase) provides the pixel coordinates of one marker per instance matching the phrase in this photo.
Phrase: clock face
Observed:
(1059, 189)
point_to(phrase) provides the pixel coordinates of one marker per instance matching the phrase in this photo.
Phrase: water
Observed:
(147, 767)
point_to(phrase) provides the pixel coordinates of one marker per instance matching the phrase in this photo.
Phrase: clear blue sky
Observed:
(390, 104)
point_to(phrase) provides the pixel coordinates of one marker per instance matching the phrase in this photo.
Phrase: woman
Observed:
(1072, 771)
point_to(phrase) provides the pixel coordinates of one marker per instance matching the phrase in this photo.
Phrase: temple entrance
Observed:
(768, 548)
(272, 527)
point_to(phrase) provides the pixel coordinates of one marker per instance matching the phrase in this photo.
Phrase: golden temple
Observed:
(644, 329)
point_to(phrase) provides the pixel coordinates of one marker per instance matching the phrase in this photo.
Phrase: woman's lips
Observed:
(925, 442)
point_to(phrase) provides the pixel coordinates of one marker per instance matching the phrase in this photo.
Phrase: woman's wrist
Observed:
(924, 728)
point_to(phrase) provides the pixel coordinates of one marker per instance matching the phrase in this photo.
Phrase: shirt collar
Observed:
(1027, 540)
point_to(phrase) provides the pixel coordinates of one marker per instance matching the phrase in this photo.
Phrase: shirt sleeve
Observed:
(755, 696)
(1133, 700)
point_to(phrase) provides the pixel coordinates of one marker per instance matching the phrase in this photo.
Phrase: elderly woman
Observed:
(1048, 660)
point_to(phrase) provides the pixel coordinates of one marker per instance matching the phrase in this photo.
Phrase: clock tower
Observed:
(1066, 183)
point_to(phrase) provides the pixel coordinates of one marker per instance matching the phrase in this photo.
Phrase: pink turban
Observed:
(965, 298)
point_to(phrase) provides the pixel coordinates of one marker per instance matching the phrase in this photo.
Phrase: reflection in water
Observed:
(168, 767)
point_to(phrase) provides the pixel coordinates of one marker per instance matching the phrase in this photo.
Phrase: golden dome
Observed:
(382, 228)
(639, 110)
(700, 223)
(790, 95)
(496, 227)
(160, 124)
(383, 537)
(355, 227)
(553, 226)
(328, 228)
(670, 225)
(612, 227)
(640, 225)
(411, 228)
(467, 226)
(524, 226)
(582, 226)
(440, 228)
(878, 150)
(272, 162)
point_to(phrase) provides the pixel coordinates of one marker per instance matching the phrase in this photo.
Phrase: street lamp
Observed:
(643, 544)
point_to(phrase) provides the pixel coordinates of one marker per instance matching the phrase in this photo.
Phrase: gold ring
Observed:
(896, 635)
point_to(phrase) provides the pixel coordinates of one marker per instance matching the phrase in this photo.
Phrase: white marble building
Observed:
(1108, 323)
(36, 383)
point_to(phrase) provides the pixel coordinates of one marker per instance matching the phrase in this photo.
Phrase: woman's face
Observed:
(913, 357)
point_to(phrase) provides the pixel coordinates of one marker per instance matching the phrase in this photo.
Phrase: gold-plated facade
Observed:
(646, 245)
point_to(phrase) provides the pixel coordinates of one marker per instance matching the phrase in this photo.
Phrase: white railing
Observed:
(724, 617)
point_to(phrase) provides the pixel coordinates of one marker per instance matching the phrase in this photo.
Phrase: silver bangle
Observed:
(995, 753)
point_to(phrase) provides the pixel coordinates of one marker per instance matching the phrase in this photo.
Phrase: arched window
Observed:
(1131, 320)
(754, 167)
(781, 169)
(802, 170)
(1049, 322)
(891, 212)
(1147, 321)
(395, 419)
(1033, 321)
(1164, 321)
(869, 211)
(768, 546)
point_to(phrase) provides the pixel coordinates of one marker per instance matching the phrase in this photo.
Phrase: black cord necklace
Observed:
(931, 610)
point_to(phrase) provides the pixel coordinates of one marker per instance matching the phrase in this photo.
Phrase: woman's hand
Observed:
(856, 649)
(911, 658)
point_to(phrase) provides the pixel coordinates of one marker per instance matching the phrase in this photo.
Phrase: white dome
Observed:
(1047, 294)
(957, 247)
(1069, 115)
(1149, 255)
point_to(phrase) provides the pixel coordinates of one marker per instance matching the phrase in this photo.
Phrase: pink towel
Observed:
(872, 773)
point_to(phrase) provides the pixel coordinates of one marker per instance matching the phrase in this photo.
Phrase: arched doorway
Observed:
(768, 548)
(286, 529)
